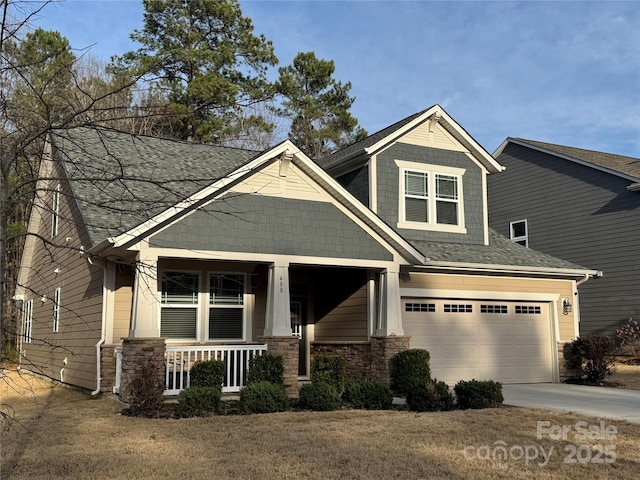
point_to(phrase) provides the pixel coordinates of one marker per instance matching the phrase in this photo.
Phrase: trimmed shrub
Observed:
(329, 369)
(266, 368)
(478, 394)
(430, 397)
(408, 368)
(319, 396)
(367, 395)
(208, 373)
(263, 397)
(594, 356)
(198, 401)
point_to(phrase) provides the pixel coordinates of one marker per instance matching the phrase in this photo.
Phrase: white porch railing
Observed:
(116, 387)
(235, 357)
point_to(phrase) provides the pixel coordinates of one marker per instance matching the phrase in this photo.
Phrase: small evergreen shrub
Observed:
(594, 356)
(266, 368)
(478, 394)
(208, 373)
(319, 396)
(198, 402)
(430, 397)
(367, 395)
(408, 368)
(329, 369)
(263, 397)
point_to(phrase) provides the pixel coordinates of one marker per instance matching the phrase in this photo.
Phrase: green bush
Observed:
(367, 394)
(198, 401)
(208, 373)
(430, 397)
(408, 368)
(329, 369)
(266, 368)
(263, 397)
(319, 396)
(478, 394)
(594, 356)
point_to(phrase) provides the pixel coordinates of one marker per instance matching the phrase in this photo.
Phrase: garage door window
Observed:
(457, 308)
(528, 310)
(420, 307)
(493, 309)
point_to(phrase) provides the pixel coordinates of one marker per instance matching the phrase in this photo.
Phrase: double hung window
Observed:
(179, 300)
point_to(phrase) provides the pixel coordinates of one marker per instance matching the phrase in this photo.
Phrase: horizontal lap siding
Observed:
(70, 353)
(579, 214)
(122, 304)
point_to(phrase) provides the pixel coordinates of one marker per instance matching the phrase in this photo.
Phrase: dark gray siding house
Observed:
(580, 205)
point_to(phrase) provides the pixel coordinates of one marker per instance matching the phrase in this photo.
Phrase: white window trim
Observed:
(245, 300)
(27, 321)
(55, 209)
(202, 305)
(431, 171)
(56, 309)
(524, 237)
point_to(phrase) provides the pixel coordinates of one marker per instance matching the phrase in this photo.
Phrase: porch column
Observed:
(278, 318)
(390, 313)
(144, 321)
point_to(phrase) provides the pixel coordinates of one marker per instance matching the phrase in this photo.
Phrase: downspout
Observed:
(103, 335)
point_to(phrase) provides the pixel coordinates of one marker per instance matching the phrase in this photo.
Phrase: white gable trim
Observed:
(289, 153)
(450, 126)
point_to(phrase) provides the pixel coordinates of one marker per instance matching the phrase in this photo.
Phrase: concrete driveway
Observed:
(602, 402)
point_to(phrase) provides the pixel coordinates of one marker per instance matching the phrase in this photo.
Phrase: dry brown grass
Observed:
(626, 375)
(65, 434)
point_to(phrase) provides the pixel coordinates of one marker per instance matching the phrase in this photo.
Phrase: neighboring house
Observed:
(580, 205)
(178, 252)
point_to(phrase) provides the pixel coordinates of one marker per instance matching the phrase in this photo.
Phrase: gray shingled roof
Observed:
(500, 251)
(626, 165)
(372, 139)
(121, 180)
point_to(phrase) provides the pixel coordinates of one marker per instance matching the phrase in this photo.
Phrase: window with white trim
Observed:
(226, 306)
(56, 309)
(27, 321)
(55, 211)
(179, 305)
(519, 232)
(431, 197)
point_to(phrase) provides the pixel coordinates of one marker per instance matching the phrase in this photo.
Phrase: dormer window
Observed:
(431, 197)
(519, 232)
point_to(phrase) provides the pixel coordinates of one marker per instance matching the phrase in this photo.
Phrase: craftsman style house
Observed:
(178, 252)
(580, 205)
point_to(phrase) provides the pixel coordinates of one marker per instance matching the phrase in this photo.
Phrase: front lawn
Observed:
(62, 433)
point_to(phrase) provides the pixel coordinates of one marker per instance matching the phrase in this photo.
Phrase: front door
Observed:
(299, 329)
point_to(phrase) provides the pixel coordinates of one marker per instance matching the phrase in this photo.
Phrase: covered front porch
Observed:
(188, 310)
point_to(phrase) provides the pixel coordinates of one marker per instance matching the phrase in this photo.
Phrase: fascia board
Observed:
(202, 195)
(566, 157)
(480, 267)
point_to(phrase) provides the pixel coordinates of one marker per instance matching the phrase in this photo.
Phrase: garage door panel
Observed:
(485, 342)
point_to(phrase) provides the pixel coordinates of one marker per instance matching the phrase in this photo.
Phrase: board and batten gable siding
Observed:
(69, 354)
(582, 215)
(508, 288)
(388, 194)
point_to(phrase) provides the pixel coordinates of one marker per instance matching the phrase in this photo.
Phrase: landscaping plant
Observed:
(593, 355)
(198, 402)
(207, 373)
(430, 397)
(263, 397)
(408, 368)
(367, 394)
(329, 369)
(319, 396)
(266, 368)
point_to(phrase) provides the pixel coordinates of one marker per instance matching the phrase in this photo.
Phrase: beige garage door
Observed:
(508, 342)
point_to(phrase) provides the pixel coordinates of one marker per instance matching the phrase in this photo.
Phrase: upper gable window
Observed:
(519, 232)
(431, 197)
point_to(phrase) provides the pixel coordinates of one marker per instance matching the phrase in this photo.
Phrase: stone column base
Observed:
(288, 348)
(382, 350)
(136, 352)
(107, 368)
(566, 372)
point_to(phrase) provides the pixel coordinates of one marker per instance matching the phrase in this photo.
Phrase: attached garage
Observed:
(506, 341)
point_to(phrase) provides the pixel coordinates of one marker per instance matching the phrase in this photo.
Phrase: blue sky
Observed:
(558, 72)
